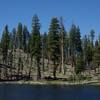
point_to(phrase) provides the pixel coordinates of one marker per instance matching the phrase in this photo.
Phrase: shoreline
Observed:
(51, 83)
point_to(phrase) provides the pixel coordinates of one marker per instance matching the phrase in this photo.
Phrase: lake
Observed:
(46, 92)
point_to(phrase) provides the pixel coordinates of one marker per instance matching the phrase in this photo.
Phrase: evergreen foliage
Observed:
(47, 54)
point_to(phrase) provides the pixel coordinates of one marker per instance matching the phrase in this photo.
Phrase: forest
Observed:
(56, 54)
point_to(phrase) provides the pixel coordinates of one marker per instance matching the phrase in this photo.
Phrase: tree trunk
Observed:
(43, 61)
(62, 58)
(60, 67)
(48, 65)
(54, 70)
(43, 55)
(10, 71)
(29, 74)
(62, 50)
(38, 70)
(5, 70)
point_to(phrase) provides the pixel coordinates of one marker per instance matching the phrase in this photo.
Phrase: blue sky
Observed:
(85, 13)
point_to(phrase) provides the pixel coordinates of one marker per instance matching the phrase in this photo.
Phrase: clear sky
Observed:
(85, 13)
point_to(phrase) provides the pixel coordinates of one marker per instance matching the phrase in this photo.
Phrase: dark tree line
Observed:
(26, 52)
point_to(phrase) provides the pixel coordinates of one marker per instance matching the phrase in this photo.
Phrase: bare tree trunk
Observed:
(62, 46)
(62, 58)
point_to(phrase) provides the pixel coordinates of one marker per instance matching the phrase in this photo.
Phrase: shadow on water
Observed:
(38, 92)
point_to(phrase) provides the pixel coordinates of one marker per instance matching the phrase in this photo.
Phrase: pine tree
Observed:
(96, 43)
(11, 41)
(14, 38)
(96, 57)
(54, 43)
(92, 35)
(62, 43)
(25, 39)
(19, 36)
(45, 37)
(5, 43)
(84, 47)
(5, 46)
(78, 41)
(13, 50)
(75, 43)
(67, 48)
(35, 49)
(80, 66)
(44, 47)
(87, 51)
(89, 54)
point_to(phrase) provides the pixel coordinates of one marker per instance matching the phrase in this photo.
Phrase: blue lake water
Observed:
(46, 92)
